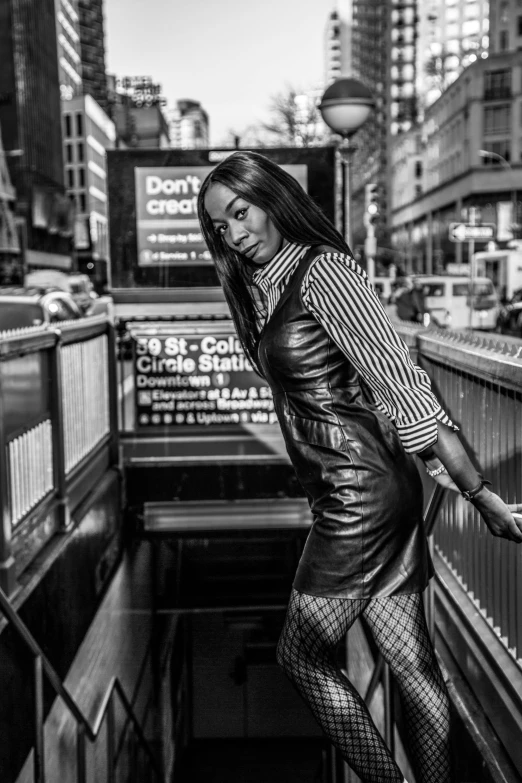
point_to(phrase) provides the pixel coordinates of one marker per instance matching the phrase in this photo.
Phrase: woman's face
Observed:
(244, 227)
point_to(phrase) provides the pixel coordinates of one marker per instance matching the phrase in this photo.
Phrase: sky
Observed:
(230, 55)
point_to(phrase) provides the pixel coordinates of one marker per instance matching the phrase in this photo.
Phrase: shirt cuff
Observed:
(419, 435)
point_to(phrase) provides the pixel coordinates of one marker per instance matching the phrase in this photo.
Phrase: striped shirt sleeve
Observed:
(338, 293)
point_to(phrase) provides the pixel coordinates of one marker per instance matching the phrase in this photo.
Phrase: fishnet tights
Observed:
(314, 627)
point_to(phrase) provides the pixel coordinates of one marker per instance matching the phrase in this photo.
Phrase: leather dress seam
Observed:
(348, 451)
(345, 444)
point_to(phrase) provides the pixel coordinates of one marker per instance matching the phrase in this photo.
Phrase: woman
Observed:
(353, 409)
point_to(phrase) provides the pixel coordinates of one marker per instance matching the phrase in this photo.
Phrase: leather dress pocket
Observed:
(316, 433)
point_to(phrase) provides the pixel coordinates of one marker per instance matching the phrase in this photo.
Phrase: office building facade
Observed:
(451, 35)
(88, 134)
(337, 43)
(69, 57)
(92, 50)
(31, 123)
(188, 126)
(10, 252)
(136, 108)
(470, 145)
(370, 53)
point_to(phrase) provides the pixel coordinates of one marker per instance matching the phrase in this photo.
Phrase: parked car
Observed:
(22, 307)
(79, 286)
(447, 299)
(509, 319)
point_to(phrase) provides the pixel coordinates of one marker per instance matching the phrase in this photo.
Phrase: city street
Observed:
(260, 391)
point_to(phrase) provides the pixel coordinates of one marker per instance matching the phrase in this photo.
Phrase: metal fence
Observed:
(85, 397)
(30, 465)
(57, 410)
(479, 382)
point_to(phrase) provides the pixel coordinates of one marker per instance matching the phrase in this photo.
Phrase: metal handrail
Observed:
(42, 666)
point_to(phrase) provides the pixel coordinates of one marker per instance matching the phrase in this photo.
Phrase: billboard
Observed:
(167, 227)
(196, 377)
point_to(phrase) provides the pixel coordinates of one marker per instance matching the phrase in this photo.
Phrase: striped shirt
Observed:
(337, 292)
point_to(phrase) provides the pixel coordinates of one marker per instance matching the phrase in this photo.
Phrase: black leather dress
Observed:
(367, 539)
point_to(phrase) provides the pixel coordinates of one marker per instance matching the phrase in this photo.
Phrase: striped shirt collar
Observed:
(272, 274)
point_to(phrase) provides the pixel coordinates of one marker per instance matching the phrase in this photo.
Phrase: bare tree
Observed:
(295, 120)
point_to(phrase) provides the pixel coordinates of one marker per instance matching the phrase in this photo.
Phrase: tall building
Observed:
(30, 117)
(10, 255)
(371, 63)
(505, 26)
(337, 46)
(450, 37)
(92, 49)
(188, 126)
(463, 152)
(69, 57)
(332, 49)
(135, 106)
(88, 133)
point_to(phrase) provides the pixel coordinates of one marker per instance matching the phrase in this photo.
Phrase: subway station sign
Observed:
(167, 227)
(197, 379)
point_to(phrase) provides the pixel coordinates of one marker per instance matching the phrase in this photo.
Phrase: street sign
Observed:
(466, 232)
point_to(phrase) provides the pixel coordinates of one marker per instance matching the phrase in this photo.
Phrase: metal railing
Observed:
(30, 465)
(58, 410)
(85, 731)
(479, 381)
(85, 397)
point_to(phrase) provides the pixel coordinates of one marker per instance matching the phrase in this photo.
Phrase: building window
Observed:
(80, 152)
(418, 168)
(68, 126)
(79, 124)
(503, 40)
(69, 153)
(82, 203)
(497, 119)
(70, 178)
(497, 84)
(519, 25)
(81, 175)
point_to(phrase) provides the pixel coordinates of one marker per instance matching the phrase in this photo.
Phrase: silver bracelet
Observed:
(436, 472)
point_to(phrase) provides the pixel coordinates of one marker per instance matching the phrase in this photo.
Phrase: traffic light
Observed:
(371, 204)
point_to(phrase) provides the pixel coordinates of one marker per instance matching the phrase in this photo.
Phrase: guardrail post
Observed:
(58, 433)
(39, 745)
(7, 563)
(113, 394)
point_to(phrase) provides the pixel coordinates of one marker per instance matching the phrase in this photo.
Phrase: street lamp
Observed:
(507, 165)
(344, 107)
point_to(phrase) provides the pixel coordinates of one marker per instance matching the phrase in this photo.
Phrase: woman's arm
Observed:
(449, 451)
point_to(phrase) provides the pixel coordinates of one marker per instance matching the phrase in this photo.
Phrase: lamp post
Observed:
(344, 107)
(507, 165)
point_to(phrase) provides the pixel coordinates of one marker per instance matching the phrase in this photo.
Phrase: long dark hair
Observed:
(297, 218)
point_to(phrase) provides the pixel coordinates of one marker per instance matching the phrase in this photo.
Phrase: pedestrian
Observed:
(353, 410)
(409, 301)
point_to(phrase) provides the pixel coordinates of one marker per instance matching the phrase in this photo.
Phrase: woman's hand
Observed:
(502, 520)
